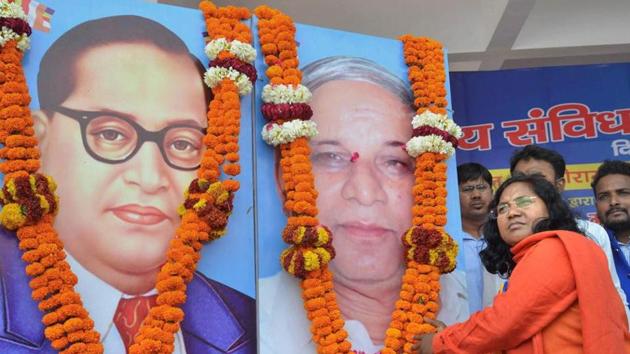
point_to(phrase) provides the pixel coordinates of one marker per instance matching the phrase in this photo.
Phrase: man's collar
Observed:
(467, 236)
(613, 238)
(99, 298)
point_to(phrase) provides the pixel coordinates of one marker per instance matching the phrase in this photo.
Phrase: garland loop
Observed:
(29, 202)
(26, 199)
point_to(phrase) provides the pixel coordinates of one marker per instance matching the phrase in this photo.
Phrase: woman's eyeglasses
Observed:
(521, 202)
(114, 138)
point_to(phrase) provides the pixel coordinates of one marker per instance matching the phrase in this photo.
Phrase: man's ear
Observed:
(41, 123)
(560, 182)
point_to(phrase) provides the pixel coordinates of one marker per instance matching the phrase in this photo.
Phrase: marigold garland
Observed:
(430, 251)
(29, 202)
(311, 249)
(208, 200)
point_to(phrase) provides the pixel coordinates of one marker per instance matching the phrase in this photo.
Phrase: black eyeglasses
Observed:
(114, 138)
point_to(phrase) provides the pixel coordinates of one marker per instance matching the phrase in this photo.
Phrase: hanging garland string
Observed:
(429, 250)
(29, 201)
(208, 200)
(30, 204)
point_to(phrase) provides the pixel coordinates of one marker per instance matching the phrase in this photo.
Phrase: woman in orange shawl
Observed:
(560, 298)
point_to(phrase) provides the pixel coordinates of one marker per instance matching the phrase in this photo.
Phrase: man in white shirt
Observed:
(285, 327)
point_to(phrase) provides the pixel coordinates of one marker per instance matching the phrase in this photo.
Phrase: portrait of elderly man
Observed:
(364, 179)
(121, 121)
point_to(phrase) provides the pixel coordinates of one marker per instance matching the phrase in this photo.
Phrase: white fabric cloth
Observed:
(598, 234)
(101, 300)
(284, 327)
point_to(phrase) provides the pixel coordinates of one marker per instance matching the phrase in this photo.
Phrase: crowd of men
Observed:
(611, 189)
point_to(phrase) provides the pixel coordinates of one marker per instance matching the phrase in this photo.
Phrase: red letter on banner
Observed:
(476, 137)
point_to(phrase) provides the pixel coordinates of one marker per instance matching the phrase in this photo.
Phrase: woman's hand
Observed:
(424, 342)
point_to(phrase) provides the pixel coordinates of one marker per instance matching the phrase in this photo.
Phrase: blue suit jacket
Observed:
(218, 318)
(622, 266)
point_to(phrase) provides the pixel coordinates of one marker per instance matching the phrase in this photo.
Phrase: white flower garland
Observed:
(285, 94)
(7, 34)
(12, 10)
(243, 51)
(274, 134)
(429, 143)
(214, 75)
(440, 121)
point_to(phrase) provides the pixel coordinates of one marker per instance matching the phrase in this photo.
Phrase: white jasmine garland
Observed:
(214, 75)
(285, 94)
(440, 121)
(243, 51)
(429, 143)
(7, 34)
(275, 134)
(12, 10)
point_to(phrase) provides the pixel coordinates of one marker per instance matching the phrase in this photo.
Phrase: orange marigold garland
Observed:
(289, 128)
(208, 203)
(430, 251)
(29, 203)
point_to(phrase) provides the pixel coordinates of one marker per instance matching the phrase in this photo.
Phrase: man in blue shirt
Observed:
(611, 186)
(475, 195)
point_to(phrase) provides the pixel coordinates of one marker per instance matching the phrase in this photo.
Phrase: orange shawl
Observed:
(555, 270)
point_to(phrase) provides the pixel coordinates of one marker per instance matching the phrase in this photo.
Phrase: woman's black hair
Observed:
(496, 257)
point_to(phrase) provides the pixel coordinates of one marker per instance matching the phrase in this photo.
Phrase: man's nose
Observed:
(364, 185)
(147, 169)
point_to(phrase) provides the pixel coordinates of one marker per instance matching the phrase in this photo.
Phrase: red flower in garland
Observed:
(429, 130)
(276, 111)
(17, 25)
(238, 65)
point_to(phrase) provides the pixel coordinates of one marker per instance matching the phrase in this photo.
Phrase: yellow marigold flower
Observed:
(299, 234)
(215, 188)
(311, 260)
(322, 235)
(52, 185)
(411, 253)
(433, 255)
(323, 254)
(200, 204)
(222, 197)
(11, 187)
(43, 203)
(11, 216)
(220, 232)
(32, 181)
